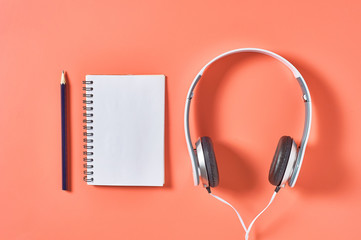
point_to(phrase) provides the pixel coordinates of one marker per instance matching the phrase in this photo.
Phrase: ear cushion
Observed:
(280, 160)
(210, 160)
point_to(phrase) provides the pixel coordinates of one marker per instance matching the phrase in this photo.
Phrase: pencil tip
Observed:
(62, 81)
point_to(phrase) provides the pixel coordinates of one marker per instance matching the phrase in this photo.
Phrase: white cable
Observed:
(239, 216)
(250, 226)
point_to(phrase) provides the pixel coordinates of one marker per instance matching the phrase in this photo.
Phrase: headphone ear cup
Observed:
(210, 161)
(281, 160)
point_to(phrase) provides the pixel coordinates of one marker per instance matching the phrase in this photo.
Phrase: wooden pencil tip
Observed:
(62, 81)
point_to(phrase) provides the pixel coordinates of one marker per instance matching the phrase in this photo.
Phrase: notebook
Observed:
(124, 130)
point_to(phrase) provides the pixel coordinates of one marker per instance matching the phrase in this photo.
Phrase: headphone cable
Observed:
(239, 216)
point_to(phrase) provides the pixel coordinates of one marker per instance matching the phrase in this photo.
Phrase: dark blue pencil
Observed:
(64, 158)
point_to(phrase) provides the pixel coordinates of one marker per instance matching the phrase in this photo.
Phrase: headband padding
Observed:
(280, 160)
(210, 161)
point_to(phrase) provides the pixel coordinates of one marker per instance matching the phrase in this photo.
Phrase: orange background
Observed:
(244, 102)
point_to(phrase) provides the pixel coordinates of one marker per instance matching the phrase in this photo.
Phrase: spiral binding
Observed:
(88, 134)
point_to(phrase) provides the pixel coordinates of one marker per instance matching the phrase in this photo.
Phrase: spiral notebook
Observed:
(124, 130)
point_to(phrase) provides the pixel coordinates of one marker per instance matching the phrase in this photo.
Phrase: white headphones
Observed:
(287, 161)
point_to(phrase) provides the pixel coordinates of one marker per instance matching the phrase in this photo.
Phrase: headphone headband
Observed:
(305, 96)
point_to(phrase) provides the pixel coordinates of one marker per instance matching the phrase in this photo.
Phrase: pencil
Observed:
(64, 157)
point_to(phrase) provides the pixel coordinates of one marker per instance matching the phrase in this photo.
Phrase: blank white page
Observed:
(128, 129)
